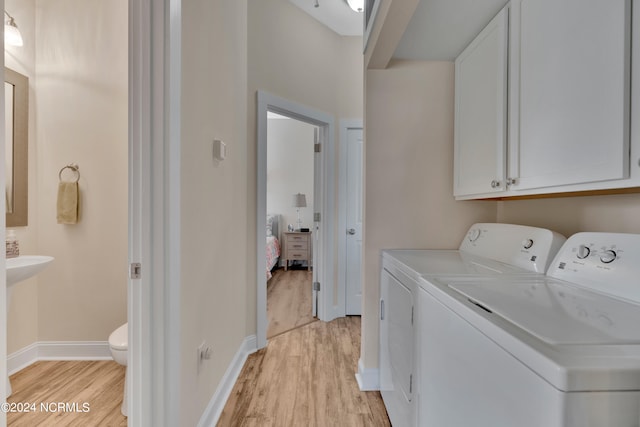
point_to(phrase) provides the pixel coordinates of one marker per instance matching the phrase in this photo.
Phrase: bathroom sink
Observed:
(23, 267)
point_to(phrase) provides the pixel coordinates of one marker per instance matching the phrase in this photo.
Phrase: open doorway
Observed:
(77, 139)
(320, 219)
(290, 205)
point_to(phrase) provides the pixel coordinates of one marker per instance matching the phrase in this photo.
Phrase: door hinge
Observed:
(381, 309)
(317, 148)
(316, 217)
(135, 270)
(316, 286)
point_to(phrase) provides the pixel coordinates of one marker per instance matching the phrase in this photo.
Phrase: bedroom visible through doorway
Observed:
(322, 215)
(290, 235)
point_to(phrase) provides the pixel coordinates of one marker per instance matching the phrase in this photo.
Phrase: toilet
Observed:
(119, 346)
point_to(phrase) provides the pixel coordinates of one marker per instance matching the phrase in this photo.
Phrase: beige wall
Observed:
(75, 55)
(81, 117)
(569, 215)
(77, 113)
(214, 194)
(294, 57)
(289, 170)
(408, 174)
(22, 316)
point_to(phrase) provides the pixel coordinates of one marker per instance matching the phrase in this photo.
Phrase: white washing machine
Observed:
(488, 250)
(556, 351)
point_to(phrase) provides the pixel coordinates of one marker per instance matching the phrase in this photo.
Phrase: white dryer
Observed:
(488, 250)
(556, 351)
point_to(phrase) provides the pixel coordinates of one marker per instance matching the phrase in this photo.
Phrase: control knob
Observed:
(608, 256)
(473, 235)
(527, 243)
(583, 251)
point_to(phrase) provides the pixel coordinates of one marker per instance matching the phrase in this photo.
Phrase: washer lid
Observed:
(556, 312)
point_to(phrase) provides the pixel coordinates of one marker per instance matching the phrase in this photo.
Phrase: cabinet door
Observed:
(480, 111)
(574, 88)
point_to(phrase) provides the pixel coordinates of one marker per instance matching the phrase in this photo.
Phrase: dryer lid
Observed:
(449, 263)
(557, 312)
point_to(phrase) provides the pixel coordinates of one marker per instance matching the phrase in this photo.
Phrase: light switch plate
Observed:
(219, 149)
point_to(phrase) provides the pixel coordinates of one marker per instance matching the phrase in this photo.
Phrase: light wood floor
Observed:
(305, 377)
(98, 383)
(288, 300)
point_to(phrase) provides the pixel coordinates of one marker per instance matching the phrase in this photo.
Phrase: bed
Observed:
(273, 244)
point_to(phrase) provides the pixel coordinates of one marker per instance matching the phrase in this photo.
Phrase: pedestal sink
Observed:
(19, 269)
(23, 267)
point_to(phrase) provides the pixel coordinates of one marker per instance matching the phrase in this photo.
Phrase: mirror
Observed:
(16, 102)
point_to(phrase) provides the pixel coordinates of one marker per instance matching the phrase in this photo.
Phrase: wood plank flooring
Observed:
(97, 383)
(305, 377)
(288, 301)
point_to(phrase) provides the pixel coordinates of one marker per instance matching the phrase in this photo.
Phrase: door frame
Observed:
(3, 264)
(345, 125)
(154, 212)
(324, 270)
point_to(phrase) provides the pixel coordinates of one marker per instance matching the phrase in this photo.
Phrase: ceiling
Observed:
(441, 29)
(335, 14)
(438, 31)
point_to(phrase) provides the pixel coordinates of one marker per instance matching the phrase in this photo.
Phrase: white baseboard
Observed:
(368, 379)
(214, 409)
(57, 350)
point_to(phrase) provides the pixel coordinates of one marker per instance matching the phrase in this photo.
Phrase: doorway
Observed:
(78, 131)
(291, 189)
(321, 226)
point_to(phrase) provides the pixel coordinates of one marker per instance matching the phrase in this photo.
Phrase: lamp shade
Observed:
(299, 200)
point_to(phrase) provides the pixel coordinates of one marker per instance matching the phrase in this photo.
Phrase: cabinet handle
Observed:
(512, 181)
(495, 184)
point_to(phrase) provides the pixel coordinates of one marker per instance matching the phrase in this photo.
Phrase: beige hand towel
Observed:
(68, 195)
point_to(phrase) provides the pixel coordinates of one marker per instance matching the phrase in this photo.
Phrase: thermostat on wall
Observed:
(219, 149)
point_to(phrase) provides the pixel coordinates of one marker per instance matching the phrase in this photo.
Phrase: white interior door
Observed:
(354, 222)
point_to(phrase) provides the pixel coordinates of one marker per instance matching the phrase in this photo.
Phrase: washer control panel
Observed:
(606, 262)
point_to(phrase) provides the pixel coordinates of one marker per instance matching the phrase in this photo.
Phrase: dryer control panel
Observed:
(605, 262)
(526, 247)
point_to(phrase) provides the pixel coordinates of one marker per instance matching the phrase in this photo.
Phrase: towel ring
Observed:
(74, 168)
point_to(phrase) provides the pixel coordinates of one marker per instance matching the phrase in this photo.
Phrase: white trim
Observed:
(57, 350)
(22, 358)
(214, 409)
(368, 379)
(3, 275)
(325, 272)
(369, 25)
(345, 125)
(154, 212)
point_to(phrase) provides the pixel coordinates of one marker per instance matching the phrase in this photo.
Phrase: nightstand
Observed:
(297, 245)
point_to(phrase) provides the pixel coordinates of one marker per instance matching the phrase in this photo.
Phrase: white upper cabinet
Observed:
(481, 111)
(571, 115)
(568, 101)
